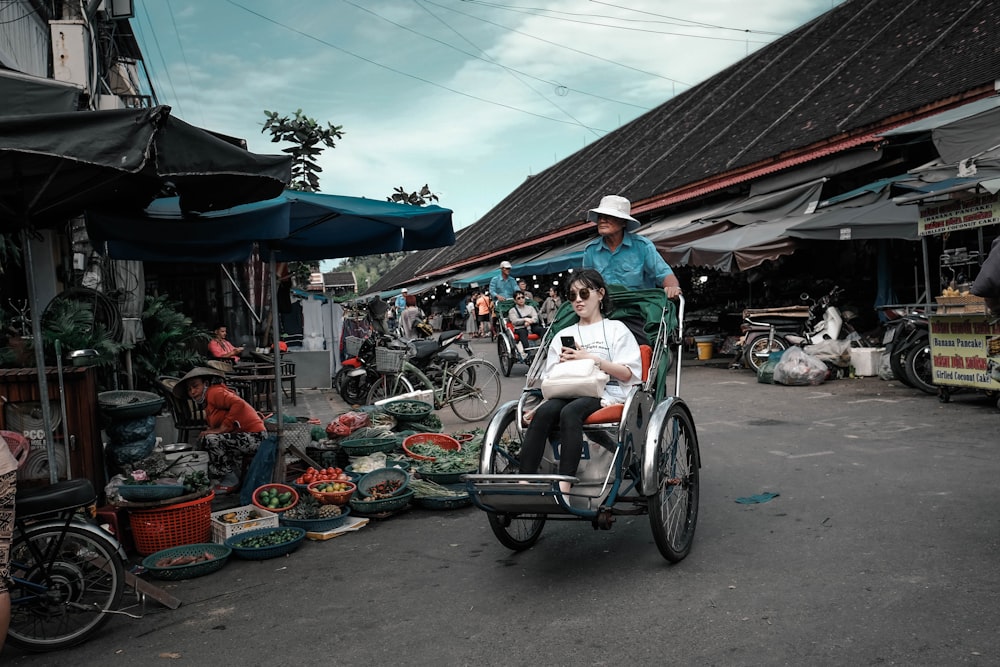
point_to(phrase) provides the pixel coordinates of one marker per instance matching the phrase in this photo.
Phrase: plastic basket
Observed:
(248, 517)
(375, 477)
(445, 442)
(129, 404)
(389, 360)
(332, 497)
(282, 488)
(407, 410)
(352, 345)
(172, 526)
(318, 525)
(366, 446)
(263, 553)
(146, 492)
(219, 552)
(444, 477)
(364, 507)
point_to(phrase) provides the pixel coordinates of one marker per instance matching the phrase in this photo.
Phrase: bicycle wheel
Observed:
(505, 354)
(473, 389)
(388, 386)
(515, 531)
(673, 508)
(61, 601)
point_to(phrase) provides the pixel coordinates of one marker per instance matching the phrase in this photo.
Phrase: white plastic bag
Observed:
(798, 368)
(837, 352)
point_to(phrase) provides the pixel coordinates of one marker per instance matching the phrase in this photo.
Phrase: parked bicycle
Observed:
(471, 386)
(67, 575)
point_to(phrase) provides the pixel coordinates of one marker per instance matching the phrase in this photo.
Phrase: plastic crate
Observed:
(352, 345)
(248, 518)
(389, 360)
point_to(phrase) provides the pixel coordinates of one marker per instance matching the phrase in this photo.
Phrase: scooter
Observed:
(776, 329)
(909, 352)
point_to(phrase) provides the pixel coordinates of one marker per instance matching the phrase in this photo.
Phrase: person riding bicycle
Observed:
(615, 351)
(8, 489)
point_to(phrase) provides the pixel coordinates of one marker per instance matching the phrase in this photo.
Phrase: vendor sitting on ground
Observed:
(234, 430)
(525, 318)
(220, 348)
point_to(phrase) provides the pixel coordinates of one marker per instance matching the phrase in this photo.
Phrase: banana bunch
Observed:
(951, 291)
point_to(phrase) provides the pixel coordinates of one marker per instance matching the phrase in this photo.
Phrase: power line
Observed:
(180, 45)
(561, 46)
(159, 51)
(686, 21)
(393, 70)
(511, 72)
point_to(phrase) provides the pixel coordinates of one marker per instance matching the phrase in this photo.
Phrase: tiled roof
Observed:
(864, 65)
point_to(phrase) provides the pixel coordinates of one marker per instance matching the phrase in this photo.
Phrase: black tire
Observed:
(919, 370)
(673, 508)
(897, 357)
(757, 350)
(515, 531)
(355, 389)
(85, 578)
(473, 389)
(505, 355)
(388, 386)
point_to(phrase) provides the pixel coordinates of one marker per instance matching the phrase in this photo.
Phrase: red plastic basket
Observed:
(445, 442)
(172, 526)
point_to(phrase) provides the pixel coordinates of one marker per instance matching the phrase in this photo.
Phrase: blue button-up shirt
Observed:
(635, 263)
(503, 287)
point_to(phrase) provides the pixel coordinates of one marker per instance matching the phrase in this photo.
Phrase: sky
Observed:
(470, 97)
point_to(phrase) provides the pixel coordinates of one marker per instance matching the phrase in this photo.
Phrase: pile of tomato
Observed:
(322, 475)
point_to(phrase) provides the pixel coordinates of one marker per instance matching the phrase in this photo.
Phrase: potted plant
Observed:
(171, 345)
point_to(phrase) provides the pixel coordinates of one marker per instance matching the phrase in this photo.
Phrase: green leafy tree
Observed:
(420, 197)
(308, 139)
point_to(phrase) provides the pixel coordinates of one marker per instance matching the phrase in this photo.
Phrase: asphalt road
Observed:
(881, 548)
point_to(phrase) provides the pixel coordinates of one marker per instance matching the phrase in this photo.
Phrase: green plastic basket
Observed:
(220, 555)
(397, 502)
(366, 446)
(444, 477)
(318, 525)
(263, 553)
(407, 410)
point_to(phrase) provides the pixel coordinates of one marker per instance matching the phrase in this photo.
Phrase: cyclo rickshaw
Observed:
(639, 458)
(508, 351)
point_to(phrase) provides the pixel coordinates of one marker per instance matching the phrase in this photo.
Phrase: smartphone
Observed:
(568, 341)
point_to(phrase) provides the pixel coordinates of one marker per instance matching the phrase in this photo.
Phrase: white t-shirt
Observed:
(610, 340)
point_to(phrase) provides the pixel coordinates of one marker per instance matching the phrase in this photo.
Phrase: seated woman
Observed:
(234, 427)
(220, 348)
(612, 347)
(525, 318)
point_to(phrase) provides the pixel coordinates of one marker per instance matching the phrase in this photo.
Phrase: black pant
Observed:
(566, 414)
(522, 333)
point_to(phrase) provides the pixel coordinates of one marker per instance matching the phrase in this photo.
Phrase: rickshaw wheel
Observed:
(673, 508)
(505, 354)
(516, 532)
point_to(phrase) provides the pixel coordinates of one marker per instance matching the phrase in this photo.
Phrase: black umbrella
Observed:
(53, 166)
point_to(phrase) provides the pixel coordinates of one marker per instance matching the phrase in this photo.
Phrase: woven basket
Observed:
(375, 477)
(444, 477)
(366, 446)
(352, 345)
(129, 404)
(172, 526)
(389, 360)
(220, 555)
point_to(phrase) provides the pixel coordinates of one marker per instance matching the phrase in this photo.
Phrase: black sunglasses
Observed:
(584, 294)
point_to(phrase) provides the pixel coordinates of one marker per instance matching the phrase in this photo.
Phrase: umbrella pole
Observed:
(36, 334)
(279, 464)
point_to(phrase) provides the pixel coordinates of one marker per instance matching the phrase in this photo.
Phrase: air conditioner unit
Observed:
(71, 52)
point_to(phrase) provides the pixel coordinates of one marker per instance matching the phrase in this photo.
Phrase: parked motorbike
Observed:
(357, 373)
(776, 329)
(425, 353)
(907, 343)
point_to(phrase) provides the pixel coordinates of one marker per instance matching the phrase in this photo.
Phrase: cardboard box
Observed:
(866, 360)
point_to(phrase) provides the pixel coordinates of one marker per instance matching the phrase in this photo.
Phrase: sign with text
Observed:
(959, 214)
(965, 351)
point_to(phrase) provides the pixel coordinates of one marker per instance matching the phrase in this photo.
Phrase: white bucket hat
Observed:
(403, 291)
(505, 264)
(616, 207)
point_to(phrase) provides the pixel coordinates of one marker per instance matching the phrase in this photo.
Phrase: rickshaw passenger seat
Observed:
(613, 413)
(531, 336)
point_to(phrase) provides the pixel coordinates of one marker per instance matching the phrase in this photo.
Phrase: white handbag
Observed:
(575, 379)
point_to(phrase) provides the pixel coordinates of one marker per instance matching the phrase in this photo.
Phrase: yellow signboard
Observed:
(965, 350)
(959, 214)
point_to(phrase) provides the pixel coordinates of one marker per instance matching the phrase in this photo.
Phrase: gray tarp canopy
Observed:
(881, 220)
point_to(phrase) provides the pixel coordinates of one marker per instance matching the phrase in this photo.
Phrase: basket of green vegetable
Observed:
(428, 446)
(266, 542)
(431, 495)
(408, 410)
(366, 446)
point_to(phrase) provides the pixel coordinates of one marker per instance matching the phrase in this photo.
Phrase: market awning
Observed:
(881, 220)
(740, 248)
(23, 94)
(773, 205)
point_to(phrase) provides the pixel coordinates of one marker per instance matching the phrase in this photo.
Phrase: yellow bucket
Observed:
(704, 350)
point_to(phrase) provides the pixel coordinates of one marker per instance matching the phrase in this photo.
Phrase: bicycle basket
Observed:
(352, 345)
(389, 360)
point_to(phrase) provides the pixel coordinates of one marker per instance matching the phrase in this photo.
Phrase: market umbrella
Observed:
(296, 226)
(53, 166)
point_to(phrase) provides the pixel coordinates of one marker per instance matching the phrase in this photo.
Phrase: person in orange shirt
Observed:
(234, 430)
(220, 348)
(484, 308)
